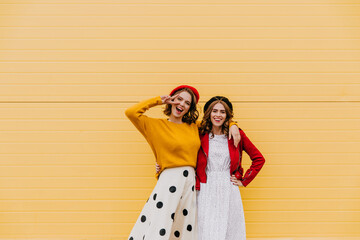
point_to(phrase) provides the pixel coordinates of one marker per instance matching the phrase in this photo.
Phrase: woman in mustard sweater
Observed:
(170, 212)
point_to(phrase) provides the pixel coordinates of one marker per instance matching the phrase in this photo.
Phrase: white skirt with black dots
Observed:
(170, 212)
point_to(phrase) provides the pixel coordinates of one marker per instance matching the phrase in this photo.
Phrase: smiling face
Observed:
(218, 115)
(184, 100)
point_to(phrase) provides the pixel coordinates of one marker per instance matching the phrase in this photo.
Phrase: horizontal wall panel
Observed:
(301, 193)
(174, 79)
(176, 10)
(179, 56)
(301, 216)
(134, 99)
(179, 33)
(304, 228)
(77, 194)
(265, 2)
(71, 205)
(180, 44)
(178, 21)
(167, 67)
(302, 204)
(86, 182)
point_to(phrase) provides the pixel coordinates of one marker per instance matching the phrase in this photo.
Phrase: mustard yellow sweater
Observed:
(173, 144)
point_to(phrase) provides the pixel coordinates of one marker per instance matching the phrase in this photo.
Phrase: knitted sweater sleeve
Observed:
(136, 113)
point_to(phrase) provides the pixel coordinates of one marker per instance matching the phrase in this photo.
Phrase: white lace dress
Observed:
(220, 209)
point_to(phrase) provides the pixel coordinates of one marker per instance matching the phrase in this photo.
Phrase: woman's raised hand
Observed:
(235, 134)
(169, 99)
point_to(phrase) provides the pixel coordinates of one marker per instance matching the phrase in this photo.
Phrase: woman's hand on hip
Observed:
(236, 181)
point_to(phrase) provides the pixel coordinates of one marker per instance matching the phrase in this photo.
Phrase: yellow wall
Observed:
(73, 167)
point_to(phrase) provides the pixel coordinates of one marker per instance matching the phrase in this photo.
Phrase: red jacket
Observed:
(235, 157)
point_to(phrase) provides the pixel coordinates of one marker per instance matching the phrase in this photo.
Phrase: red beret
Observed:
(187, 86)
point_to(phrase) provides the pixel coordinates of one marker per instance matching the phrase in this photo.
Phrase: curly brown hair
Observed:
(192, 115)
(206, 125)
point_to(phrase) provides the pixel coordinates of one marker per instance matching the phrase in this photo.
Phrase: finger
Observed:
(166, 100)
(174, 103)
(173, 97)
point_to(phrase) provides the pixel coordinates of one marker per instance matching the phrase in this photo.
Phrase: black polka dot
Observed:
(177, 234)
(189, 228)
(131, 238)
(159, 205)
(173, 216)
(143, 237)
(154, 197)
(186, 173)
(143, 218)
(172, 189)
(185, 212)
(147, 200)
(162, 232)
(192, 188)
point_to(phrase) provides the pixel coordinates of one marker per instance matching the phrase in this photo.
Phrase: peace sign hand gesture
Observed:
(169, 99)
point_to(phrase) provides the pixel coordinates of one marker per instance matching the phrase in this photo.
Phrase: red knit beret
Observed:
(187, 86)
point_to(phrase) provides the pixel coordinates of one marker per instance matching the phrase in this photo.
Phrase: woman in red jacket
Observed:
(219, 173)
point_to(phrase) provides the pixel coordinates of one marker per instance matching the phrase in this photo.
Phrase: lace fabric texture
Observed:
(220, 209)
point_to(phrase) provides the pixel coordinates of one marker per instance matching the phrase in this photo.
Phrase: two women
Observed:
(170, 212)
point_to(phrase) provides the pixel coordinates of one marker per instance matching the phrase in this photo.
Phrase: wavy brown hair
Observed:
(206, 124)
(192, 115)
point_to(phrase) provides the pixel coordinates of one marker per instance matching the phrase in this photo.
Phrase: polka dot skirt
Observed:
(170, 212)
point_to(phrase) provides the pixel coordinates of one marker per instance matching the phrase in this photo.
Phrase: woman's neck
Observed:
(174, 119)
(217, 130)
